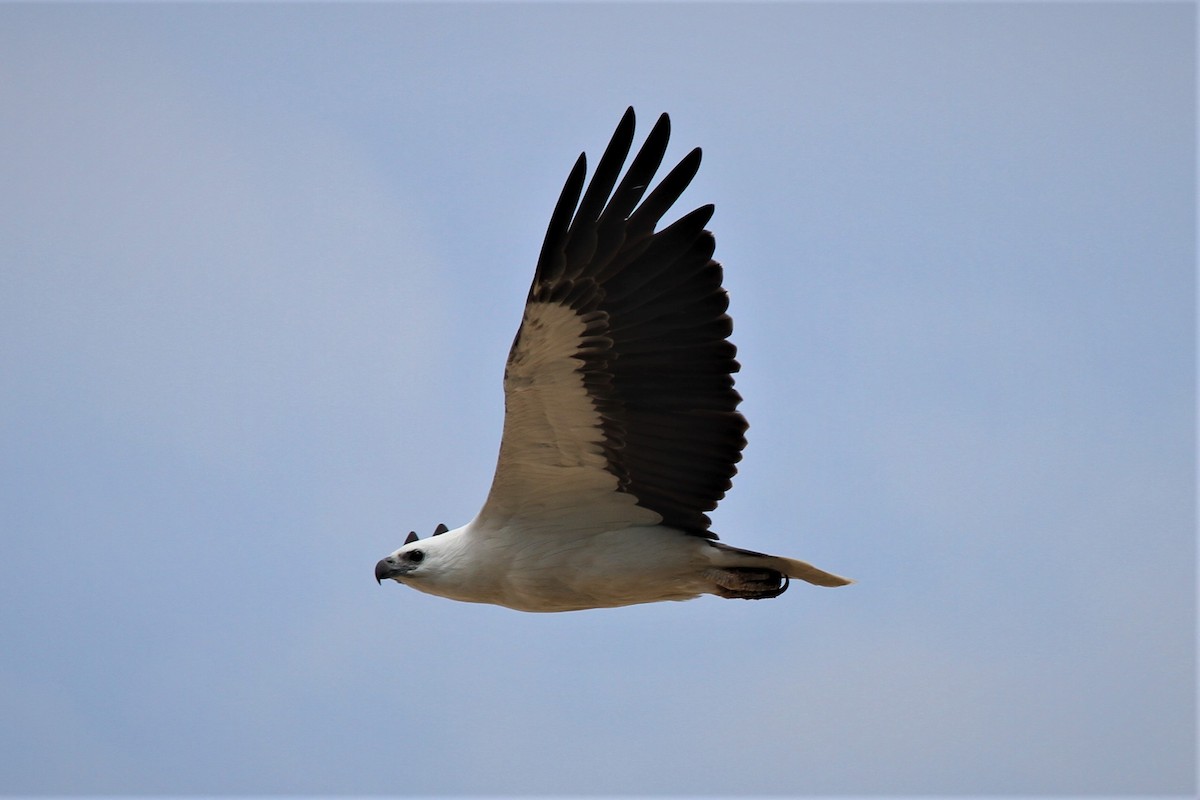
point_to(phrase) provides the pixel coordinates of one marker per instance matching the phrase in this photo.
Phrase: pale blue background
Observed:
(260, 269)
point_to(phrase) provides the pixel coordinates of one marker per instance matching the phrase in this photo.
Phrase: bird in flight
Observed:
(621, 426)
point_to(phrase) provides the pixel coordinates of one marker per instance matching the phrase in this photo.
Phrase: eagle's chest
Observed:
(537, 571)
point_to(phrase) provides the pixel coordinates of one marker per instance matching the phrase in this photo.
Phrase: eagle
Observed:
(621, 428)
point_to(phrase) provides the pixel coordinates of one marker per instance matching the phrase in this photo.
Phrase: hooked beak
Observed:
(387, 568)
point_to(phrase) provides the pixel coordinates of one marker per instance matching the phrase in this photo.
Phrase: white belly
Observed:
(549, 571)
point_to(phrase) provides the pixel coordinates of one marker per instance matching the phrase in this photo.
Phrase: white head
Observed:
(417, 560)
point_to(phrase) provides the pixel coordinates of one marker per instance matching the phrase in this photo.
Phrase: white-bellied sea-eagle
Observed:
(621, 427)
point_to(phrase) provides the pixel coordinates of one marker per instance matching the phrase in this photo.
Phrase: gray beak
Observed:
(387, 568)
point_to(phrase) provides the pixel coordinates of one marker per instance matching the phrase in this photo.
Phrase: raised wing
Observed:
(619, 399)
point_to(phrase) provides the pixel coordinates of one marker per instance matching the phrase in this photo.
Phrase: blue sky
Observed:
(262, 264)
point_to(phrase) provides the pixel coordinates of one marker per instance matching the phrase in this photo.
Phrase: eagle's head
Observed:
(410, 560)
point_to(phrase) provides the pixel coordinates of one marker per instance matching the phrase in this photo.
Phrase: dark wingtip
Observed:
(412, 537)
(440, 529)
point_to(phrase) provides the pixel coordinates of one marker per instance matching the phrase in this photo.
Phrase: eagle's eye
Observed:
(415, 556)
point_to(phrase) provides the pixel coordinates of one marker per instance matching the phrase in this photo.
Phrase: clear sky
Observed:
(259, 269)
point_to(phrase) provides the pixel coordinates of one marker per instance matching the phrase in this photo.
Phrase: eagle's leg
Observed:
(747, 583)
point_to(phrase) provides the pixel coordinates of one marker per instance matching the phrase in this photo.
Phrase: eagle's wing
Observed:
(619, 401)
